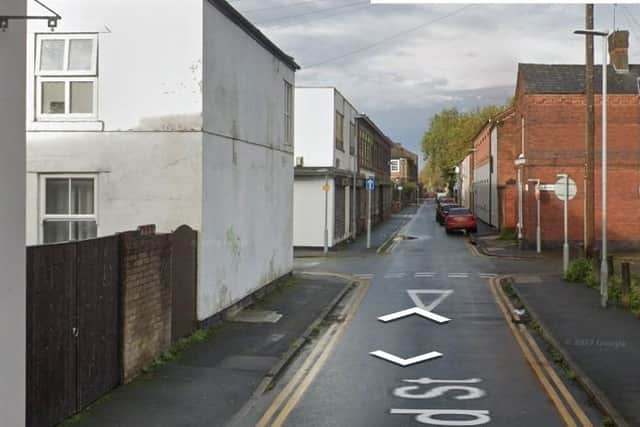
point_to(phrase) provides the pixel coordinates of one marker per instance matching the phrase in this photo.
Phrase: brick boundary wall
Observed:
(145, 280)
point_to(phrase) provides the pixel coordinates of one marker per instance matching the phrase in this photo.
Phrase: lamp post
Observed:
(565, 245)
(604, 268)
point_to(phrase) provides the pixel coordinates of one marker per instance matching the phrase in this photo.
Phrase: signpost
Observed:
(371, 186)
(538, 230)
(565, 190)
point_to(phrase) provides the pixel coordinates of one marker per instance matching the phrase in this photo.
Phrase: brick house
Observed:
(403, 170)
(550, 107)
(374, 155)
(493, 190)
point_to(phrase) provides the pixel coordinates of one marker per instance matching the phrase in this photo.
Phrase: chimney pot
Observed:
(619, 50)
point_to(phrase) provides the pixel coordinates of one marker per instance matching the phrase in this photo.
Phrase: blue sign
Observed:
(371, 184)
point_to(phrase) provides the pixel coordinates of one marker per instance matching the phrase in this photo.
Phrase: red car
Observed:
(461, 219)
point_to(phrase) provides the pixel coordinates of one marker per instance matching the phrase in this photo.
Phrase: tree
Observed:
(449, 137)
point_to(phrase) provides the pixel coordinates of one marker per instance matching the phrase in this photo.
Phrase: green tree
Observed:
(449, 137)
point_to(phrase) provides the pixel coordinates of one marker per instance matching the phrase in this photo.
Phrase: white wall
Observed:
(342, 105)
(12, 207)
(308, 212)
(149, 61)
(247, 230)
(142, 177)
(314, 126)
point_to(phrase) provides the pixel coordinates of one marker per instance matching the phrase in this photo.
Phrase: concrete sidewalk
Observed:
(603, 345)
(212, 380)
(379, 235)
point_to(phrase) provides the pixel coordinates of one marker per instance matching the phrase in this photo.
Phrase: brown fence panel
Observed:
(51, 346)
(184, 252)
(98, 318)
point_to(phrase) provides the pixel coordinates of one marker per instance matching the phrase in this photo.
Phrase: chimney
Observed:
(619, 51)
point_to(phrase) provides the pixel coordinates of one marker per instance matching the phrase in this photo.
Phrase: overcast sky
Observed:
(466, 59)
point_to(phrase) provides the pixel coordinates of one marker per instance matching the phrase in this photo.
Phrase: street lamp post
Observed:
(538, 229)
(604, 268)
(565, 245)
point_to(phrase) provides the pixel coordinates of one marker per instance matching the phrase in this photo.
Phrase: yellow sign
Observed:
(325, 187)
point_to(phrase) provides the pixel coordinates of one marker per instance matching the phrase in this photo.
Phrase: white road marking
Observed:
(458, 275)
(365, 276)
(410, 312)
(405, 362)
(414, 295)
(487, 275)
(394, 275)
(427, 381)
(429, 416)
(425, 274)
(412, 392)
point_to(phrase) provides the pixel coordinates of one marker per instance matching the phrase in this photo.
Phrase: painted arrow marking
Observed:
(405, 362)
(410, 312)
(414, 294)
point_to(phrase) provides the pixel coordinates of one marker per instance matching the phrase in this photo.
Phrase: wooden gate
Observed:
(72, 327)
(184, 242)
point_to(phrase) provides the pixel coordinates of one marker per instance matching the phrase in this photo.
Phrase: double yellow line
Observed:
(290, 396)
(569, 410)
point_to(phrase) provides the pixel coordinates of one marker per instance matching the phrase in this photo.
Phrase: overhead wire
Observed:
(387, 39)
(320, 18)
(284, 18)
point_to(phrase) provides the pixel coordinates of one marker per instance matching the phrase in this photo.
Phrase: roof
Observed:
(375, 127)
(399, 151)
(569, 79)
(237, 18)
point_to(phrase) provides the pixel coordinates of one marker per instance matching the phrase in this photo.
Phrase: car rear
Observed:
(460, 219)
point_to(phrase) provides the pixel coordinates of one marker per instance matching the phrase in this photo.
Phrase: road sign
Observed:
(371, 184)
(547, 187)
(561, 188)
(326, 187)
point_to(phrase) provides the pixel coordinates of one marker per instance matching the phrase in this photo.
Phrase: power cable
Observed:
(386, 39)
(320, 18)
(283, 18)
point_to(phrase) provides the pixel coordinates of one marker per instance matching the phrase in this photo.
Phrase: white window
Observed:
(68, 208)
(66, 76)
(395, 165)
(288, 113)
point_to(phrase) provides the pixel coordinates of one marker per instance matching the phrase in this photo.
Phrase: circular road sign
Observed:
(561, 189)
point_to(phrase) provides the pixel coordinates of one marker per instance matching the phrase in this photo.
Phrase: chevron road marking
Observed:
(410, 312)
(405, 362)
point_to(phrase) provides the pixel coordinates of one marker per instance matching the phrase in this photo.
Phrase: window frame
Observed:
(42, 203)
(67, 77)
(352, 138)
(288, 113)
(67, 37)
(396, 163)
(339, 133)
(67, 115)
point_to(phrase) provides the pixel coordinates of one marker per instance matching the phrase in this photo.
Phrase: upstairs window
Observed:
(339, 131)
(395, 166)
(66, 76)
(288, 113)
(352, 139)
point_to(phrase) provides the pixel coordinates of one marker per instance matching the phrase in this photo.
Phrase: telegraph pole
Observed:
(589, 156)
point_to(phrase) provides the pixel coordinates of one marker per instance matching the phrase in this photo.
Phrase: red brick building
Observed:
(493, 190)
(404, 174)
(550, 107)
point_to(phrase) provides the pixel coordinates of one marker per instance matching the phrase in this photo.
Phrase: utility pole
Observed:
(589, 154)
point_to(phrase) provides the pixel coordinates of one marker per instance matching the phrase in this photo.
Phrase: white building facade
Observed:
(326, 166)
(12, 250)
(133, 118)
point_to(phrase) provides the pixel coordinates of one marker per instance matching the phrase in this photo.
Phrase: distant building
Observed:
(404, 174)
(326, 166)
(374, 155)
(171, 113)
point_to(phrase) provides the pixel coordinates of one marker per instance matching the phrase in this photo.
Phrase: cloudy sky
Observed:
(440, 55)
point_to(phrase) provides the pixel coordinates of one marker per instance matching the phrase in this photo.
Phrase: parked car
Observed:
(442, 210)
(460, 219)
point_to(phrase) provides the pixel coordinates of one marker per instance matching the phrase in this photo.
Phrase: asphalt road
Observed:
(481, 377)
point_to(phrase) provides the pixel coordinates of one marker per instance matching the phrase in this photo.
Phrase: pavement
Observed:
(466, 371)
(380, 234)
(212, 380)
(603, 345)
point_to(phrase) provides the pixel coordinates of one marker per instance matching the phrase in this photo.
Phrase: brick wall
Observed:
(554, 143)
(146, 297)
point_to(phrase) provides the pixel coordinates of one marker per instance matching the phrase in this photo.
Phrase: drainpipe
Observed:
(355, 183)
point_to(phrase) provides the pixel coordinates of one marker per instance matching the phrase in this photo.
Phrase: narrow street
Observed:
(481, 376)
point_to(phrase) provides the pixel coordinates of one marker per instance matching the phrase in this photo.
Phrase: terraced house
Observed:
(167, 113)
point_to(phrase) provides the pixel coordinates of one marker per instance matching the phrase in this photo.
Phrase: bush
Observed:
(580, 270)
(507, 234)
